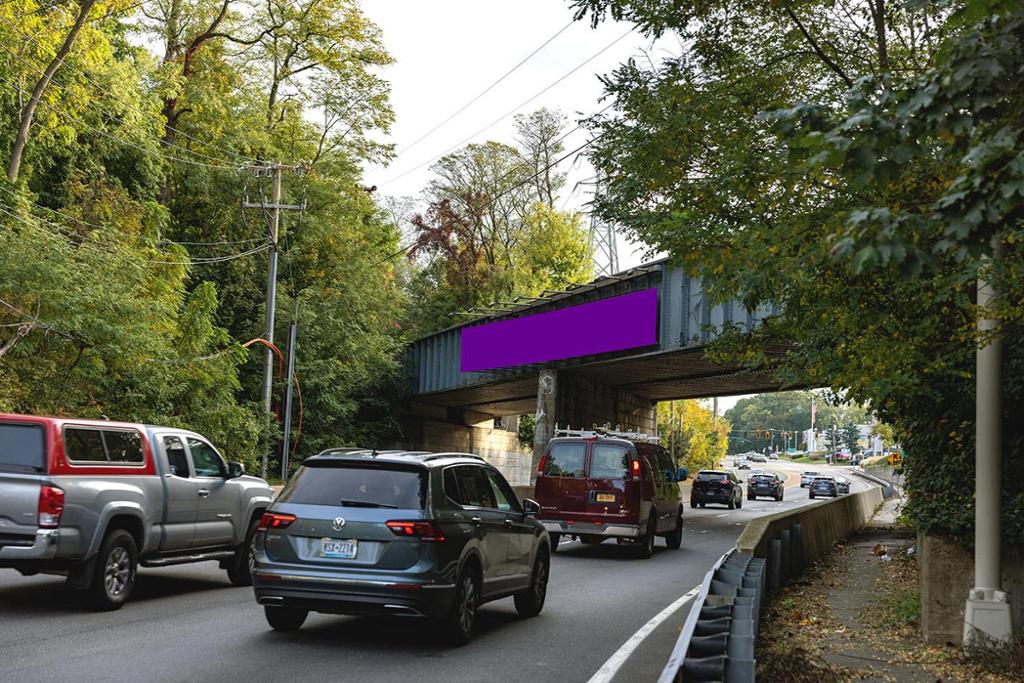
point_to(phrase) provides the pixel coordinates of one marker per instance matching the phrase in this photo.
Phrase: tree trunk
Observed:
(878, 14)
(27, 115)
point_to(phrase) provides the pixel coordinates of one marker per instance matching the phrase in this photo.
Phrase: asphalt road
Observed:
(188, 624)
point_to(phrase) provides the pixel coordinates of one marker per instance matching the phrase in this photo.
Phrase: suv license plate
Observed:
(332, 547)
(606, 498)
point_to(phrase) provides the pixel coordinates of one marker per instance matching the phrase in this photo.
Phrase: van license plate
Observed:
(606, 498)
(332, 547)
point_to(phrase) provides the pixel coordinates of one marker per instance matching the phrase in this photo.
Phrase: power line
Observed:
(485, 90)
(513, 110)
(528, 179)
(12, 212)
(121, 141)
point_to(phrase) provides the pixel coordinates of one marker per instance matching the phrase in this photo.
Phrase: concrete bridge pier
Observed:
(568, 399)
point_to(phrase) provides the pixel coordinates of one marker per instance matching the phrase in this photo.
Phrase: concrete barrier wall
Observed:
(820, 525)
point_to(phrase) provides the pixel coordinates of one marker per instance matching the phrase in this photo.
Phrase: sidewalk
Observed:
(854, 617)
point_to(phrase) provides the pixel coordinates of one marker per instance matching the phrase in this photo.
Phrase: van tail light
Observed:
(422, 529)
(543, 463)
(635, 467)
(51, 506)
(274, 520)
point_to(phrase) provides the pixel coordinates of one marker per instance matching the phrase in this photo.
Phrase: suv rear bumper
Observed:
(616, 530)
(290, 587)
(43, 547)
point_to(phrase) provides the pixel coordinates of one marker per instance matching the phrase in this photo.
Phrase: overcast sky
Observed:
(448, 51)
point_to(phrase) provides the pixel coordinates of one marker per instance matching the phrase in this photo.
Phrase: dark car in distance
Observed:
(823, 486)
(716, 486)
(597, 486)
(764, 484)
(398, 533)
(842, 485)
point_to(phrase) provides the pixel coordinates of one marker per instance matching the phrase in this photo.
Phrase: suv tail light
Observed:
(274, 520)
(543, 462)
(51, 506)
(422, 529)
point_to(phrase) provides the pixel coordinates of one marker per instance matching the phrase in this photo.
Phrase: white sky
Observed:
(448, 51)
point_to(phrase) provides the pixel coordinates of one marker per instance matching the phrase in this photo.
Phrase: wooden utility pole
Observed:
(273, 207)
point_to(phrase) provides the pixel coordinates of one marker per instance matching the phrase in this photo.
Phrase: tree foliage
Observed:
(129, 275)
(850, 163)
(694, 437)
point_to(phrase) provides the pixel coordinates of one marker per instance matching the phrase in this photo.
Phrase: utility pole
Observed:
(274, 207)
(987, 615)
(286, 441)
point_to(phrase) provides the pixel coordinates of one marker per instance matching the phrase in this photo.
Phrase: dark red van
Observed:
(595, 485)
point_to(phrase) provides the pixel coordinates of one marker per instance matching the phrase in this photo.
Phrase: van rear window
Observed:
(565, 460)
(22, 448)
(355, 486)
(608, 462)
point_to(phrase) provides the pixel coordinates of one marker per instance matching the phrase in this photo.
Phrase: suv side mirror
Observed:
(530, 507)
(235, 469)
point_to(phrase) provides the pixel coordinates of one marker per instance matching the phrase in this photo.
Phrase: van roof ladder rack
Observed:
(636, 437)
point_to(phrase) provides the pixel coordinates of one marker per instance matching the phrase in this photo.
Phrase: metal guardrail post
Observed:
(786, 554)
(775, 563)
(796, 547)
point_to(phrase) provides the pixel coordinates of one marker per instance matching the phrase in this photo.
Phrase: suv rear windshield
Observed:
(711, 476)
(357, 486)
(22, 448)
(565, 460)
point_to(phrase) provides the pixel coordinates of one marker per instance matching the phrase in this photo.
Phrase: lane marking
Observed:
(611, 667)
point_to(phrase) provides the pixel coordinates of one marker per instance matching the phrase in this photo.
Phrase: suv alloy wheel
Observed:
(461, 622)
(530, 602)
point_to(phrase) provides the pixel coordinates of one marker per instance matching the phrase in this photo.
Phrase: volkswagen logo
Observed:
(338, 523)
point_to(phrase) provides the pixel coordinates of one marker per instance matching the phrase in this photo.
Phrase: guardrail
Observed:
(717, 640)
(718, 636)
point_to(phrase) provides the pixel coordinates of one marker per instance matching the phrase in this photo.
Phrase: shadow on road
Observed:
(410, 635)
(52, 596)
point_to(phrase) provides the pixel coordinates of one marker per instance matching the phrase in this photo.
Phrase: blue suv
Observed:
(431, 535)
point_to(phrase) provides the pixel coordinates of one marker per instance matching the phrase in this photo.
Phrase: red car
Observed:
(596, 486)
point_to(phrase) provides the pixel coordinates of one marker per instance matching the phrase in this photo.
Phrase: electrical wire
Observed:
(485, 90)
(525, 181)
(127, 143)
(513, 110)
(12, 212)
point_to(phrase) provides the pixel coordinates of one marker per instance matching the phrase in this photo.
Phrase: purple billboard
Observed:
(620, 322)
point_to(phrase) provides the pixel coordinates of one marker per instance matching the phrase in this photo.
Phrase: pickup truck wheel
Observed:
(240, 566)
(116, 567)
(285, 618)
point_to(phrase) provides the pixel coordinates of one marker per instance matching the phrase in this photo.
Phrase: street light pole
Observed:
(987, 614)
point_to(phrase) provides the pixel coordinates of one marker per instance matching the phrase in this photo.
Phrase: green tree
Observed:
(849, 163)
(694, 437)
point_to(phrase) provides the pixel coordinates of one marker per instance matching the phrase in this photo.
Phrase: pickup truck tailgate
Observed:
(22, 469)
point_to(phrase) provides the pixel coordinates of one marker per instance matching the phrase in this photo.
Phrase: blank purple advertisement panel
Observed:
(621, 322)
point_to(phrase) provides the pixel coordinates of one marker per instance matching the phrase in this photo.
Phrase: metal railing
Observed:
(717, 640)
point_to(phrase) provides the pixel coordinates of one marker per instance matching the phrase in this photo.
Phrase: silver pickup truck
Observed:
(94, 499)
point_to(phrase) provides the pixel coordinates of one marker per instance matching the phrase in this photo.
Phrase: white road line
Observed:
(615, 662)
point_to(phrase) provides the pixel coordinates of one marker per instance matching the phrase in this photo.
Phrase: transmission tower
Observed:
(602, 240)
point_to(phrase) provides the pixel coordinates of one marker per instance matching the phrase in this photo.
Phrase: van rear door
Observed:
(561, 483)
(609, 483)
(22, 469)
